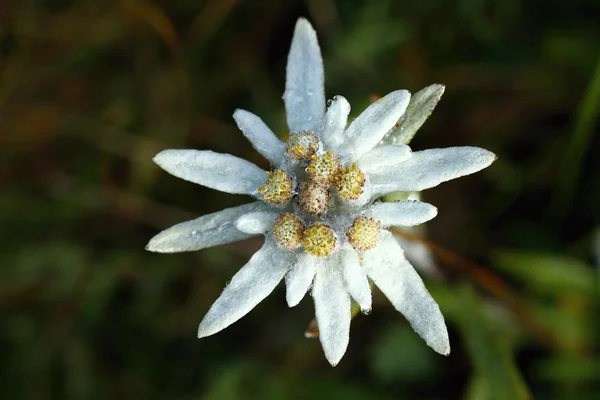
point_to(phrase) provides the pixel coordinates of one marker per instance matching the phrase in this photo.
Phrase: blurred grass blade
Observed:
(577, 147)
(548, 273)
(491, 356)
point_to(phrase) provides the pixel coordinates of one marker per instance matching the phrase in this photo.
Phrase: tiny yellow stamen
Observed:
(278, 187)
(324, 168)
(364, 233)
(313, 198)
(349, 184)
(301, 146)
(288, 230)
(319, 240)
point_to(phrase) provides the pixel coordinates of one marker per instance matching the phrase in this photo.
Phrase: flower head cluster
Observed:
(319, 206)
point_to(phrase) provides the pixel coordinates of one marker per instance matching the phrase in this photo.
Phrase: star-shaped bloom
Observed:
(319, 208)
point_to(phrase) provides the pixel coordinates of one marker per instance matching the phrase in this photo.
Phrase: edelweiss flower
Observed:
(318, 208)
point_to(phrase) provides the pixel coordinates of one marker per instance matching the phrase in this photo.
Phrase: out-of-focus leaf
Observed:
(596, 247)
(477, 389)
(579, 144)
(548, 273)
(372, 34)
(399, 354)
(569, 369)
(322, 389)
(245, 380)
(419, 109)
(490, 352)
(571, 326)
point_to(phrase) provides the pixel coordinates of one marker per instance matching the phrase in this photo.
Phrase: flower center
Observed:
(278, 187)
(324, 168)
(288, 230)
(301, 146)
(319, 240)
(349, 184)
(313, 198)
(364, 233)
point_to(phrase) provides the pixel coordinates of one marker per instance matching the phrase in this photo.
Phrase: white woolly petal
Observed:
(207, 231)
(355, 278)
(262, 138)
(334, 123)
(300, 277)
(428, 168)
(257, 222)
(252, 283)
(380, 158)
(419, 256)
(366, 131)
(332, 308)
(402, 213)
(304, 95)
(218, 171)
(401, 284)
(419, 109)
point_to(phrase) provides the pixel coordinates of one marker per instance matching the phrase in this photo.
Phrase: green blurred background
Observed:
(90, 90)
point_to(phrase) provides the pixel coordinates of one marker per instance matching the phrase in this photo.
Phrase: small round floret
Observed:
(364, 233)
(324, 168)
(349, 184)
(319, 240)
(288, 230)
(313, 198)
(301, 146)
(278, 189)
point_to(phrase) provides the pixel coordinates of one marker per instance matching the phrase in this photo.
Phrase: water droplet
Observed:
(366, 311)
(329, 102)
(194, 232)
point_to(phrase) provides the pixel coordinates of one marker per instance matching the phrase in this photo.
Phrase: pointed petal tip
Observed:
(202, 334)
(205, 329)
(304, 23)
(291, 302)
(439, 86)
(159, 157)
(444, 350)
(334, 360)
(153, 246)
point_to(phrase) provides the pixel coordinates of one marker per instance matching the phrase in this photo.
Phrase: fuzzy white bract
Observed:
(319, 209)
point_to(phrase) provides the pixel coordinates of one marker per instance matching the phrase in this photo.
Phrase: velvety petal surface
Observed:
(402, 213)
(428, 168)
(209, 230)
(218, 171)
(304, 95)
(334, 124)
(252, 283)
(257, 222)
(367, 130)
(419, 109)
(398, 280)
(332, 308)
(381, 157)
(355, 278)
(300, 278)
(262, 138)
